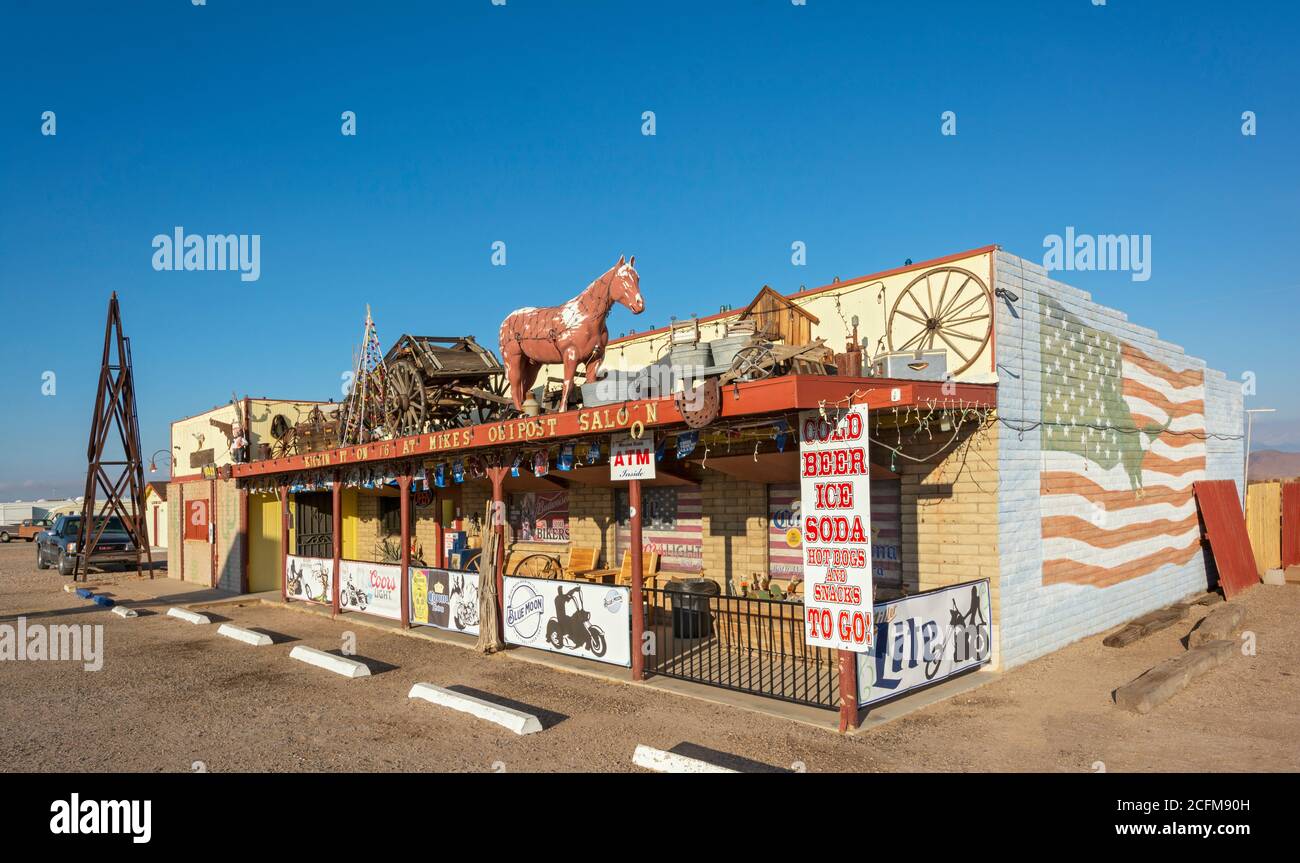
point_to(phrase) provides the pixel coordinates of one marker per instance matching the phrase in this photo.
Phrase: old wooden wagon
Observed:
(438, 382)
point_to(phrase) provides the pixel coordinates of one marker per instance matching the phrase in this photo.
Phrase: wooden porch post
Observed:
(336, 529)
(498, 475)
(638, 616)
(284, 541)
(439, 555)
(404, 484)
(848, 690)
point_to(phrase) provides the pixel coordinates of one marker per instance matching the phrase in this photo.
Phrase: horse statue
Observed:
(570, 334)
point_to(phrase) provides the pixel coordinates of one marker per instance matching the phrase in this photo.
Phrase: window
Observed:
(390, 516)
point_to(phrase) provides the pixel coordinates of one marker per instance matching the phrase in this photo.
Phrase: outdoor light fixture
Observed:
(153, 465)
(1006, 295)
(1245, 470)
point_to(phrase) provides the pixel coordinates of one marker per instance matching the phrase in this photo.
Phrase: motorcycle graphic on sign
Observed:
(968, 634)
(370, 587)
(574, 631)
(350, 594)
(308, 578)
(591, 621)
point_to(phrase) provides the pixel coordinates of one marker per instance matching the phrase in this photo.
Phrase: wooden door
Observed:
(1290, 524)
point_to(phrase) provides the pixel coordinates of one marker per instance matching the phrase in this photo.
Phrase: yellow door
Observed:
(263, 542)
(348, 506)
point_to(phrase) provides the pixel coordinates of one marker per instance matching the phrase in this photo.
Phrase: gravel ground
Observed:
(171, 694)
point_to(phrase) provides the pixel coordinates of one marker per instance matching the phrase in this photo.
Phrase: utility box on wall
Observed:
(912, 365)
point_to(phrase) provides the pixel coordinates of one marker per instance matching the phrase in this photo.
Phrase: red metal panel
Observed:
(1225, 530)
(196, 519)
(1290, 524)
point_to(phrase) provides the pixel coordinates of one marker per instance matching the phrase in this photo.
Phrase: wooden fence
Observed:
(1264, 523)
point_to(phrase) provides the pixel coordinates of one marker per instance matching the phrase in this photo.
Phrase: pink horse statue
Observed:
(570, 334)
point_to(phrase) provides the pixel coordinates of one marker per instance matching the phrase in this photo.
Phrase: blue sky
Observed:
(522, 123)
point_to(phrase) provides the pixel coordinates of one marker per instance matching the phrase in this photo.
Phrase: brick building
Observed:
(1055, 461)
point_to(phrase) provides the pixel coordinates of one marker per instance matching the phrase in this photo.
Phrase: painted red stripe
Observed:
(1083, 530)
(1175, 410)
(1177, 380)
(1059, 482)
(1072, 572)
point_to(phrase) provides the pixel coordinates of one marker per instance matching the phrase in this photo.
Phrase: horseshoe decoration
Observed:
(700, 406)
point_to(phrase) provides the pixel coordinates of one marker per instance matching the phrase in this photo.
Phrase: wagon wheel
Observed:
(753, 363)
(316, 419)
(404, 402)
(284, 445)
(539, 566)
(498, 386)
(443, 406)
(946, 304)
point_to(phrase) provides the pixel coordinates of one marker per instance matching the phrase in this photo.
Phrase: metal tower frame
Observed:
(114, 409)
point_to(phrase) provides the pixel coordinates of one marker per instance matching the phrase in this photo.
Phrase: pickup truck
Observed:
(26, 529)
(57, 546)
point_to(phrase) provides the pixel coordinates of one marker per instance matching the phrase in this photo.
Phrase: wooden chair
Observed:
(581, 559)
(623, 575)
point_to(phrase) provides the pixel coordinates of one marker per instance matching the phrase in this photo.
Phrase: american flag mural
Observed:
(1123, 439)
(671, 526)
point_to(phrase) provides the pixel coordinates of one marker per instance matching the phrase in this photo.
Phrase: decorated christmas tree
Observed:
(363, 411)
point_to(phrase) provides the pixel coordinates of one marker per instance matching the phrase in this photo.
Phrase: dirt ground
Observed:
(171, 694)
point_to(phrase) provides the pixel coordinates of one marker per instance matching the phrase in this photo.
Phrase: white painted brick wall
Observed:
(1038, 619)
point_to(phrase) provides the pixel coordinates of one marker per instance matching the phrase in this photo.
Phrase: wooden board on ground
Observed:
(1141, 627)
(1170, 677)
(1225, 530)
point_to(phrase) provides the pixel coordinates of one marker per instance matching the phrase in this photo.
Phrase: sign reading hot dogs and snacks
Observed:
(835, 520)
(374, 588)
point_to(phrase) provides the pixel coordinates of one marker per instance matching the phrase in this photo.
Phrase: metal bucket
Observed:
(726, 348)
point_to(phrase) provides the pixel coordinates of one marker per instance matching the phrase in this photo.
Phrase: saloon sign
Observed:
(835, 518)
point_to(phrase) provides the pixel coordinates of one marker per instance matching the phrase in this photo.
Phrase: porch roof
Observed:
(751, 399)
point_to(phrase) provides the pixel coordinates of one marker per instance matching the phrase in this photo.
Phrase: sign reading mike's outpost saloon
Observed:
(835, 510)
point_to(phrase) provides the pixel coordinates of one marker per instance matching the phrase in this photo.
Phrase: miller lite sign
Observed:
(835, 519)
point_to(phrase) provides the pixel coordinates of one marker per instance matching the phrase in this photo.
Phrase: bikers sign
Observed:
(835, 521)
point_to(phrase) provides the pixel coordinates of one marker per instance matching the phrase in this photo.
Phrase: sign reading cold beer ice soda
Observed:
(835, 517)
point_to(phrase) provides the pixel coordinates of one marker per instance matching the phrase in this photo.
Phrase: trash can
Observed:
(690, 604)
